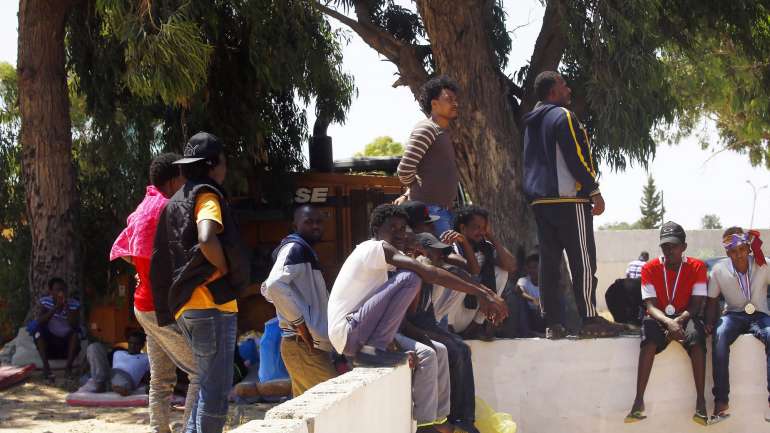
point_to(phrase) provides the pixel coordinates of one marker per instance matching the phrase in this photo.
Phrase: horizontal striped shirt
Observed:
(428, 165)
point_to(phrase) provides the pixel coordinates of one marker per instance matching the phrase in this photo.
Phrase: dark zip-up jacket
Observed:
(178, 266)
(558, 165)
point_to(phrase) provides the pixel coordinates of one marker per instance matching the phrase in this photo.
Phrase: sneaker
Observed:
(555, 332)
(369, 356)
(599, 327)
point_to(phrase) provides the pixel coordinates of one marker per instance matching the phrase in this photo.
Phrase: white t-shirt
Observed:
(532, 290)
(135, 365)
(363, 271)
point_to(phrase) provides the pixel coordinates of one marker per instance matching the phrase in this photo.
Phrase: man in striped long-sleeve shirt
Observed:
(428, 167)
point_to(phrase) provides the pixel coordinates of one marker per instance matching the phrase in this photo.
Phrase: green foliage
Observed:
(620, 226)
(240, 78)
(382, 146)
(710, 221)
(728, 85)
(14, 232)
(165, 54)
(652, 207)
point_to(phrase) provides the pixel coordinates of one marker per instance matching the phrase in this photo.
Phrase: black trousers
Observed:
(463, 391)
(566, 227)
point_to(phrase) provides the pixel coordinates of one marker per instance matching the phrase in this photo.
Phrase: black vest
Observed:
(178, 265)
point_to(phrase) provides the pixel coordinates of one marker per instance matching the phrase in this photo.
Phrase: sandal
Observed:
(635, 416)
(719, 417)
(700, 418)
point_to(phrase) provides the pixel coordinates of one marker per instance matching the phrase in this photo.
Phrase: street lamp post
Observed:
(754, 202)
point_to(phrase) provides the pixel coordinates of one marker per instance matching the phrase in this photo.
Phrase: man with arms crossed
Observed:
(742, 280)
(674, 292)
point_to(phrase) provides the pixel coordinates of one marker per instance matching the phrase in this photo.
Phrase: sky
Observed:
(695, 182)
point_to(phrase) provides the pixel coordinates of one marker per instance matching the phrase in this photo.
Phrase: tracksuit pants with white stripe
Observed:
(560, 227)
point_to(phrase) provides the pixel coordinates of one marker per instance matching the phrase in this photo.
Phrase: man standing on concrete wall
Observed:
(297, 288)
(674, 292)
(560, 183)
(742, 281)
(428, 167)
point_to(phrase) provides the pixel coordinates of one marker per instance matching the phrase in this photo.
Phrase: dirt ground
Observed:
(37, 407)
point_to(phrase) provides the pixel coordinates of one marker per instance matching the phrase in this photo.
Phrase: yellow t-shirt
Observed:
(207, 208)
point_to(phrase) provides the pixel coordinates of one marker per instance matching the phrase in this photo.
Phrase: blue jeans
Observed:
(729, 327)
(445, 221)
(211, 334)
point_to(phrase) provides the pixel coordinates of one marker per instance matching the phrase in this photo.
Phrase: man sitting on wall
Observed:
(130, 368)
(742, 281)
(422, 316)
(529, 291)
(57, 335)
(374, 289)
(674, 291)
(489, 261)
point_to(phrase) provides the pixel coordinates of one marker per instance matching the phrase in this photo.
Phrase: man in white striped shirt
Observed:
(428, 167)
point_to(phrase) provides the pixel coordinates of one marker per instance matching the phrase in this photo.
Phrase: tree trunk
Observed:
(488, 144)
(47, 165)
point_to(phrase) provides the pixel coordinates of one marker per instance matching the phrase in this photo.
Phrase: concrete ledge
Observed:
(273, 426)
(372, 400)
(589, 385)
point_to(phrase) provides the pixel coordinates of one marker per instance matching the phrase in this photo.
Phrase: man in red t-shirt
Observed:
(674, 289)
(167, 348)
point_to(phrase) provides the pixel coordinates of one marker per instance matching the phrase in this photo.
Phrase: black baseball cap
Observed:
(427, 240)
(672, 233)
(418, 212)
(201, 146)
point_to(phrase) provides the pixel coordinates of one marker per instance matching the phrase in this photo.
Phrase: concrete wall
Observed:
(615, 248)
(588, 386)
(371, 400)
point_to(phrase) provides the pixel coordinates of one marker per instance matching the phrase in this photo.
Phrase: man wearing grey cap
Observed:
(674, 292)
(197, 271)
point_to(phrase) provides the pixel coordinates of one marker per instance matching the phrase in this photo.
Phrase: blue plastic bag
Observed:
(271, 365)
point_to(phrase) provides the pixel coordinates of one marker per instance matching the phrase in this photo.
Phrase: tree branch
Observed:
(407, 57)
(548, 51)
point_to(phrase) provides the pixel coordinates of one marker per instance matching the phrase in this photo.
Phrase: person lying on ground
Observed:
(129, 369)
(367, 305)
(58, 332)
(297, 288)
(423, 317)
(674, 292)
(167, 348)
(529, 291)
(742, 280)
(489, 261)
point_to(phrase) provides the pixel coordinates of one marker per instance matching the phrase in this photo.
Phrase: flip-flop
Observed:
(719, 417)
(634, 416)
(700, 418)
